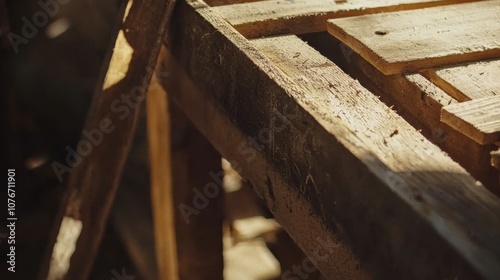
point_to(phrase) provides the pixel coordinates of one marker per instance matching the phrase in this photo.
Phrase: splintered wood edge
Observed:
(456, 116)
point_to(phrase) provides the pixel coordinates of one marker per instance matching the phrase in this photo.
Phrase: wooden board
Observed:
(162, 193)
(479, 119)
(419, 102)
(424, 38)
(93, 180)
(344, 165)
(468, 81)
(266, 18)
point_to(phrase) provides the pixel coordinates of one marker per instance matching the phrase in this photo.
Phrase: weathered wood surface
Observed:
(266, 18)
(419, 102)
(361, 173)
(162, 189)
(93, 180)
(468, 81)
(479, 119)
(424, 38)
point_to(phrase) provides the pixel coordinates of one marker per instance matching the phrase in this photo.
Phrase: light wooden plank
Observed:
(424, 38)
(479, 119)
(330, 172)
(419, 101)
(94, 178)
(162, 193)
(468, 81)
(266, 18)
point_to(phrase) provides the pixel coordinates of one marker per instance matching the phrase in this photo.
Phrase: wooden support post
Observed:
(158, 122)
(198, 193)
(186, 191)
(95, 171)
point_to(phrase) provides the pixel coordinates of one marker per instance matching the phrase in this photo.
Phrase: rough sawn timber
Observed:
(468, 81)
(266, 18)
(479, 119)
(94, 179)
(424, 38)
(362, 177)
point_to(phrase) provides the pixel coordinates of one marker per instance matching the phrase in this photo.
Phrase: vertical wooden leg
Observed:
(186, 186)
(162, 200)
(198, 200)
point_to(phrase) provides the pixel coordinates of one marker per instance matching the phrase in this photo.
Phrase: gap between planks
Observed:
(265, 18)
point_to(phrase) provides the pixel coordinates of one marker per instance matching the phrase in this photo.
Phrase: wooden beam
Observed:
(111, 122)
(328, 148)
(478, 119)
(468, 81)
(162, 190)
(265, 18)
(419, 102)
(424, 38)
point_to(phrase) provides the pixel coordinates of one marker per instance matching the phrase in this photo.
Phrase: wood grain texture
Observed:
(356, 167)
(424, 38)
(93, 181)
(419, 102)
(479, 119)
(162, 193)
(468, 81)
(265, 18)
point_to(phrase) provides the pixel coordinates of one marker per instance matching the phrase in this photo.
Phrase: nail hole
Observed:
(381, 32)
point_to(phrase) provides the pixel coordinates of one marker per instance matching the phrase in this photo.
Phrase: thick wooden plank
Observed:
(424, 38)
(266, 18)
(479, 119)
(332, 163)
(417, 100)
(95, 169)
(468, 81)
(162, 193)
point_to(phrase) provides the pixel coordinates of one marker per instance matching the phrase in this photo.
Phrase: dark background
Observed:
(46, 89)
